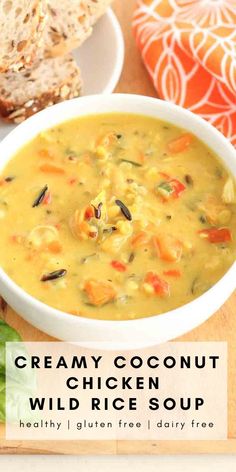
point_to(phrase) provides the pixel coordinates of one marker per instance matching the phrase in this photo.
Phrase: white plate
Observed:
(100, 59)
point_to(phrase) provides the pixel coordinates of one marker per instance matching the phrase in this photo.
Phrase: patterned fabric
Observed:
(189, 49)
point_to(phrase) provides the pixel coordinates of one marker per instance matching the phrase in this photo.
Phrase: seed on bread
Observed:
(74, 24)
(18, 52)
(50, 81)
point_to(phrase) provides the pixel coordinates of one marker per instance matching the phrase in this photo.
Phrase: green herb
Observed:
(135, 164)
(165, 189)
(7, 334)
(71, 154)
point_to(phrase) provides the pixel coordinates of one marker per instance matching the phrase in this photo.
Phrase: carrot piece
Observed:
(72, 181)
(216, 235)
(178, 187)
(170, 188)
(172, 273)
(17, 238)
(51, 169)
(168, 248)
(164, 175)
(99, 293)
(140, 239)
(180, 144)
(89, 213)
(55, 247)
(106, 140)
(142, 158)
(119, 266)
(161, 287)
(45, 154)
(47, 198)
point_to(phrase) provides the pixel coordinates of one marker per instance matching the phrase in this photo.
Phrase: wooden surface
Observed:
(221, 327)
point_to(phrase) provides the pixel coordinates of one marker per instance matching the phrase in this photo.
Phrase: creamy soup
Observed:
(117, 217)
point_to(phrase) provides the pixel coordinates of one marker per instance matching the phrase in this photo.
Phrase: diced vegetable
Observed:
(180, 144)
(160, 286)
(168, 248)
(165, 190)
(216, 235)
(55, 247)
(89, 213)
(114, 243)
(107, 140)
(228, 195)
(45, 154)
(217, 213)
(17, 238)
(171, 188)
(178, 187)
(72, 181)
(47, 198)
(172, 273)
(51, 169)
(119, 266)
(42, 236)
(140, 239)
(99, 293)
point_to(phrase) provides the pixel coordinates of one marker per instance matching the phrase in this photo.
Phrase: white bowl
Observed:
(133, 333)
(101, 57)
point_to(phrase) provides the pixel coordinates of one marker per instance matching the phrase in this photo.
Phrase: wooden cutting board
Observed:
(221, 327)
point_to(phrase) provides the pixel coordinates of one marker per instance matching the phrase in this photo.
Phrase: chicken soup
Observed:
(116, 217)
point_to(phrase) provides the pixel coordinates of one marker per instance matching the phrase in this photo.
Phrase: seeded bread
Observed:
(69, 24)
(26, 92)
(21, 28)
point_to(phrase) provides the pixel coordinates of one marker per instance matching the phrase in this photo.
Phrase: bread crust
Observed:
(64, 89)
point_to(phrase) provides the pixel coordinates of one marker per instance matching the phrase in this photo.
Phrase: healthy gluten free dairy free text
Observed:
(160, 384)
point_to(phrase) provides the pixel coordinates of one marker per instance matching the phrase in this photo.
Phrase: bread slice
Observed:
(69, 24)
(26, 92)
(21, 27)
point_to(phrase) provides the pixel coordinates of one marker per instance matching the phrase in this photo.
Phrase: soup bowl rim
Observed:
(28, 306)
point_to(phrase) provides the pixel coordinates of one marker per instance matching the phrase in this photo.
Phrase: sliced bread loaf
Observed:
(69, 24)
(21, 27)
(26, 92)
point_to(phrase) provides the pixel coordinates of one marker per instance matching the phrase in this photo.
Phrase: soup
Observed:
(116, 217)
